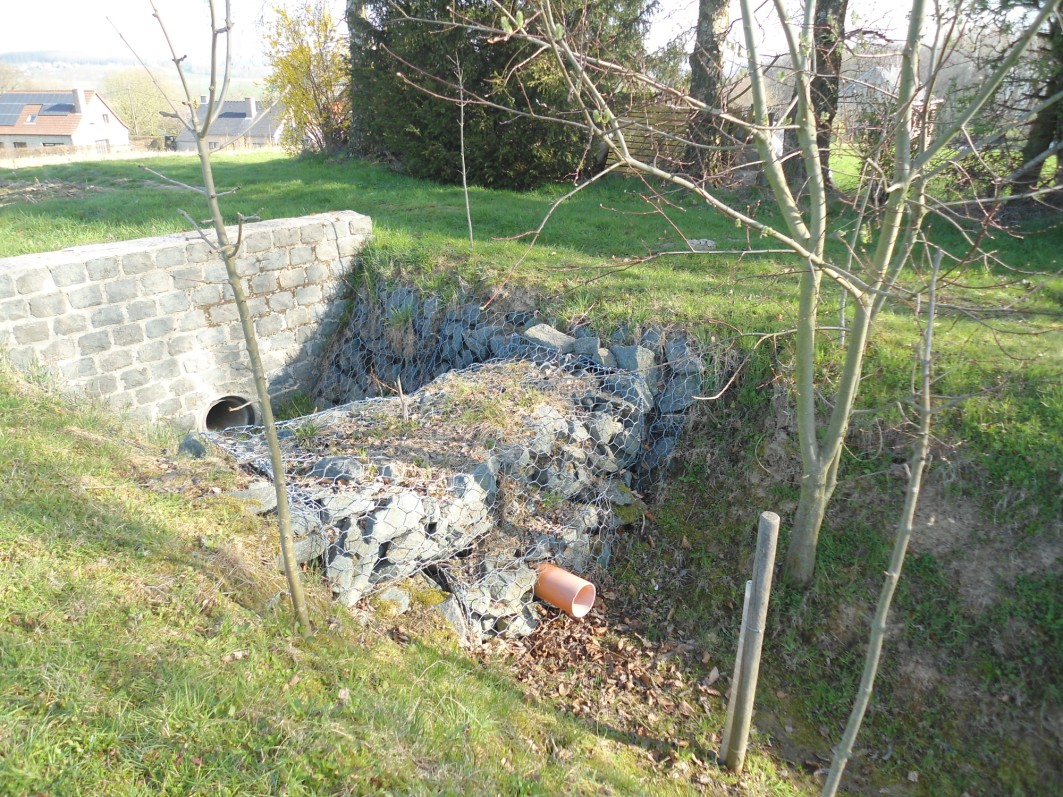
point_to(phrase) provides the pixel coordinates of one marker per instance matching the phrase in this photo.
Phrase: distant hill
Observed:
(48, 69)
(29, 57)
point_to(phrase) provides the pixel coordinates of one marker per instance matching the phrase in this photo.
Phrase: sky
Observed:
(82, 26)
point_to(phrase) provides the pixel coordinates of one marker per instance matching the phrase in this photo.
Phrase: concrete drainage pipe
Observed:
(229, 412)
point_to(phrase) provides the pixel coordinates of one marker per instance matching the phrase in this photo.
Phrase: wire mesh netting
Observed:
(480, 474)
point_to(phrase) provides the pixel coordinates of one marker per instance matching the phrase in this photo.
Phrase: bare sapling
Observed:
(916, 466)
(227, 250)
(460, 75)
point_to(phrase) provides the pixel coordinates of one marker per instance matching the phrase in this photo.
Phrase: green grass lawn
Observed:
(140, 652)
(150, 681)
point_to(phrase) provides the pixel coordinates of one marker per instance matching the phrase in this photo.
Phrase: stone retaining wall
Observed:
(150, 325)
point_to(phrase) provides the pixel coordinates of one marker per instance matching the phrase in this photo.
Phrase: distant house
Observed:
(242, 124)
(77, 118)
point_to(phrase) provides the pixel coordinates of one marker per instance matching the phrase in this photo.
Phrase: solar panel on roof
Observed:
(54, 103)
(57, 109)
(10, 112)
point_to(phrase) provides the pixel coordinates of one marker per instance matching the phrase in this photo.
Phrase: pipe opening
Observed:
(229, 412)
(584, 601)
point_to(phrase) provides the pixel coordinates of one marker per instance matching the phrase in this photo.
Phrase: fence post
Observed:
(728, 726)
(743, 689)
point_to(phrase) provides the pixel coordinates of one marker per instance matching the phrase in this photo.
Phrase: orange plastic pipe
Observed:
(567, 591)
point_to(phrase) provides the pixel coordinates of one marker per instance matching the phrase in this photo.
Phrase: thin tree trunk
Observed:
(900, 547)
(284, 518)
(828, 37)
(461, 141)
(227, 251)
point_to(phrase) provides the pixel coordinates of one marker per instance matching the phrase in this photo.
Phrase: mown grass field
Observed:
(966, 702)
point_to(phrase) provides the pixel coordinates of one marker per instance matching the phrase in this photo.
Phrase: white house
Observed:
(77, 118)
(242, 124)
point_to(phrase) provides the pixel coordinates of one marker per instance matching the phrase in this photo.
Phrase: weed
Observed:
(306, 432)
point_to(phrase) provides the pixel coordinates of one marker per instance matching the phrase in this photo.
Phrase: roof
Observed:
(233, 120)
(54, 111)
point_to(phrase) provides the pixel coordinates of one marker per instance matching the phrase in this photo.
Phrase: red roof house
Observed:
(66, 118)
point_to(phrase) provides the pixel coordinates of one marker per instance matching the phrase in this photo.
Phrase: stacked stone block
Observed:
(150, 326)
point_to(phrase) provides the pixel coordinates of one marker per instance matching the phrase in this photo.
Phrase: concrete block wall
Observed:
(150, 325)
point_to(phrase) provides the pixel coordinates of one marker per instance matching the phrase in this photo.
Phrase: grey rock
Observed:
(549, 418)
(467, 490)
(399, 599)
(515, 459)
(451, 339)
(479, 340)
(510, 585)
(346, 505)
(573, 454)
(434, 522)
(633, 358)
(620, 495)
(587, 520)
(348, 576)
(430, 309)
(607, 358)
(664, 447)
(471, 313)
(651, 338)
(578, 432)
(679, 393)
(602, 552)
(391, 470)
(631, 388)
(575, 557)
(588, 347)
(683, 356)
(400, 298)
(454, 614)
(484, 475)
(517, 625)
(260, 497)
(603, 462)
(193, 445)
(550, 338)
(412, 546)
(339, 569)
(304, 521)
(604, 428)
(507, 345)
(386, 570)
(306, 549)
(403, 512)
(336, 468)
(562, 479)
(478, 601)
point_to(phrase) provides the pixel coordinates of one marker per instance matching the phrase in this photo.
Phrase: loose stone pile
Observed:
(399, 338)
(482, 473)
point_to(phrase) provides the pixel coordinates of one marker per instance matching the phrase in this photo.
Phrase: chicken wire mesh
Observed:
(483, 472)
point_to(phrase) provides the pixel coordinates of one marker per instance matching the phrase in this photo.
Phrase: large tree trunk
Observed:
(828, 39)
(1046, 129)
(706, 131)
